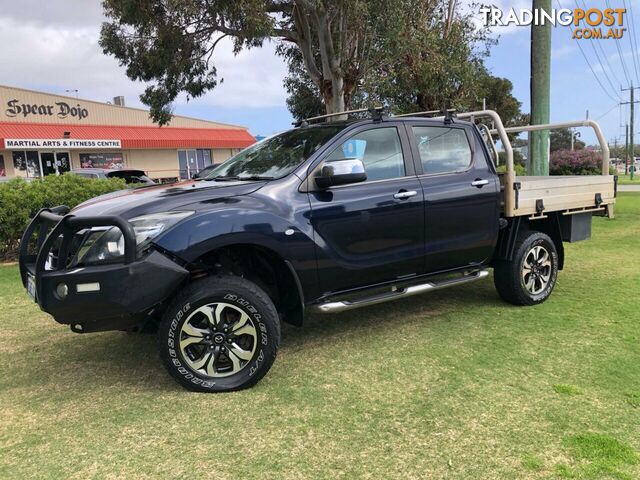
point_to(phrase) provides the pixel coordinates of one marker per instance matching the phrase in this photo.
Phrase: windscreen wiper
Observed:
(227, 178)
(224, 178)
(255, 177)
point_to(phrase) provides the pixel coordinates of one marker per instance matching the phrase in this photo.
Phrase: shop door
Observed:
(47, 160)
(63, 162)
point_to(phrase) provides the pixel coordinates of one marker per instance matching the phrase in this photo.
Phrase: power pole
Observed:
(626, 149)
(540, 92)
(631, 127)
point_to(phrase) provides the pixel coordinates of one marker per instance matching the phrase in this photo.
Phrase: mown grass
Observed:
(626, 179)
(454, 384)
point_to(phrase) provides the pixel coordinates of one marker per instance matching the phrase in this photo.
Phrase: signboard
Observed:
(18, 108)
(101, 160)
(64, 143)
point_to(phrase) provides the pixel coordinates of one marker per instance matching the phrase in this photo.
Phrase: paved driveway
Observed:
(629, 188)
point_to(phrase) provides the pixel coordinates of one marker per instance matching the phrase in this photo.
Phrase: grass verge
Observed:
(453, 384)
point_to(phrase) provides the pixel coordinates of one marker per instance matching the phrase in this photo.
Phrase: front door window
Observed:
(48, 162)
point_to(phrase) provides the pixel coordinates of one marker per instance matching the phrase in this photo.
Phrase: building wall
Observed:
(14, 103)
(8, 163)
(157, 163)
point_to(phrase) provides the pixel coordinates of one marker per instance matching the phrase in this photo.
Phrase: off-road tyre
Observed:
(529, 278)
(197, 304)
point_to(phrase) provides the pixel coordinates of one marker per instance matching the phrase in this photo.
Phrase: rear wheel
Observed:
(529, 278)
(220, 334)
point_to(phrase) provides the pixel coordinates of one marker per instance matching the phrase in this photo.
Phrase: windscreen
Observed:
(277, 156)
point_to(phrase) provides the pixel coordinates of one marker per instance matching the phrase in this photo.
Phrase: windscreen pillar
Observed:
(538, 162)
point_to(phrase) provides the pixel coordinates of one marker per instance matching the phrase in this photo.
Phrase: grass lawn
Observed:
(453, 384)
(626, 179)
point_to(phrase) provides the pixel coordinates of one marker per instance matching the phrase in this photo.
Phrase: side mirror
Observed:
(341, 172)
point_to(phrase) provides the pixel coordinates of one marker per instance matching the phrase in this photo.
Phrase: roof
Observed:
(132, 137)
(108, 104)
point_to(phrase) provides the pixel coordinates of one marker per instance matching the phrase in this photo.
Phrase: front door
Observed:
(48, 162)
(462, 196)
(373, 231)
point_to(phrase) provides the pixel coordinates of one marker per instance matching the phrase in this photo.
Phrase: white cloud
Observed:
(54, 45)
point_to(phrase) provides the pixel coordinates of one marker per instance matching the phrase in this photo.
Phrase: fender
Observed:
(282, 227)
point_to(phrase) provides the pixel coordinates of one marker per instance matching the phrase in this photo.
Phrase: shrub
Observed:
(21, 200)
(579, 162)
(519, 169)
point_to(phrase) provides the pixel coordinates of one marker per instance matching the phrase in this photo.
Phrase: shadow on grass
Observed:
(97, 361)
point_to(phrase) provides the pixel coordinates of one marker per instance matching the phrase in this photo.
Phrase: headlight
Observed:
(107, 244)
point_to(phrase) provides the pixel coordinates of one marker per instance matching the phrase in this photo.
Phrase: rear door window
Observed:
(442, 149)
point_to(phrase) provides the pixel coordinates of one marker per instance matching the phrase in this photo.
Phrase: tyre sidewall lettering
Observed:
(181, 316)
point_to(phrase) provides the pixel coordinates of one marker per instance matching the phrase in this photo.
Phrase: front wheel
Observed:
(529, 278)
(219, 334)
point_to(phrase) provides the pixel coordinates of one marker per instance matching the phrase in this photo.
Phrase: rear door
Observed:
(461, 193)
(373, 231)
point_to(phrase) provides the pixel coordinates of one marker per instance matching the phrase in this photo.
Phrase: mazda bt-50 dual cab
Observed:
(324, 217)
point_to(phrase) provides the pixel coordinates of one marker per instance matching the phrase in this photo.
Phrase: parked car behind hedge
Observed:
(21, 200)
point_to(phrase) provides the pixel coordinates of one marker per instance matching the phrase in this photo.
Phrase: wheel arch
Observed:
(509, 235)
(263, 266)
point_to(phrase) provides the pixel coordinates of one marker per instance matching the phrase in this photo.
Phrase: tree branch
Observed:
(304, 43)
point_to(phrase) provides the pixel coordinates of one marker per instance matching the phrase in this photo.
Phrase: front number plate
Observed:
(31, 287)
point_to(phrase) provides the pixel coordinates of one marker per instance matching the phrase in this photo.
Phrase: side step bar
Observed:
(341, 306)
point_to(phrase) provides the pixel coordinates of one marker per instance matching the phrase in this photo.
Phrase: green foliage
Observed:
(21, 200)
(168, 45)
(560, 139)
(519, 169)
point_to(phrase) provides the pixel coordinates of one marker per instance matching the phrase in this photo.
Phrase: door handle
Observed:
(478, 182)
(403, 195)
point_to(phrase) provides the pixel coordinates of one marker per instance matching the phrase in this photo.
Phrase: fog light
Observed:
(62, 290)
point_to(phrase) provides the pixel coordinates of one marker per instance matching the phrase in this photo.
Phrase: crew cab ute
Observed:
(325, 217)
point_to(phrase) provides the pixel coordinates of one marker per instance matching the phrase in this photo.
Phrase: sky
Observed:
(52, 46)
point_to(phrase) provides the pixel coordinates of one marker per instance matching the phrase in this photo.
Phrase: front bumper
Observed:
(94, 298)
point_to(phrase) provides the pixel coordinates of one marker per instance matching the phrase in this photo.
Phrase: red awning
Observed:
(133, 137)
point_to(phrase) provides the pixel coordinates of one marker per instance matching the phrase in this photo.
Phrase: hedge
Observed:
(578, 162)
(21, 200)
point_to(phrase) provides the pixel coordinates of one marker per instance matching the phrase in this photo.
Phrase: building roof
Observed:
(138, 116)
(132, 136)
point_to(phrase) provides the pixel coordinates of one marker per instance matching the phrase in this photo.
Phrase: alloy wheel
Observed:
(218, 339)
(536, 270)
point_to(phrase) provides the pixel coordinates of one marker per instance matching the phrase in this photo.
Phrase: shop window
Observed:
(102, 160)
(3, 170)
(28, 162)
(191, 162)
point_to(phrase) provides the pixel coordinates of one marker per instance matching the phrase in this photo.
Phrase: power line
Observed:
(608, 112)
(624, 65)
(635, 33)
(634, 49)
(595, 50)
(590, 67)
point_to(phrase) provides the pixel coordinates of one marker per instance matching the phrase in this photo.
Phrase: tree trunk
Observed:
(334, 98)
